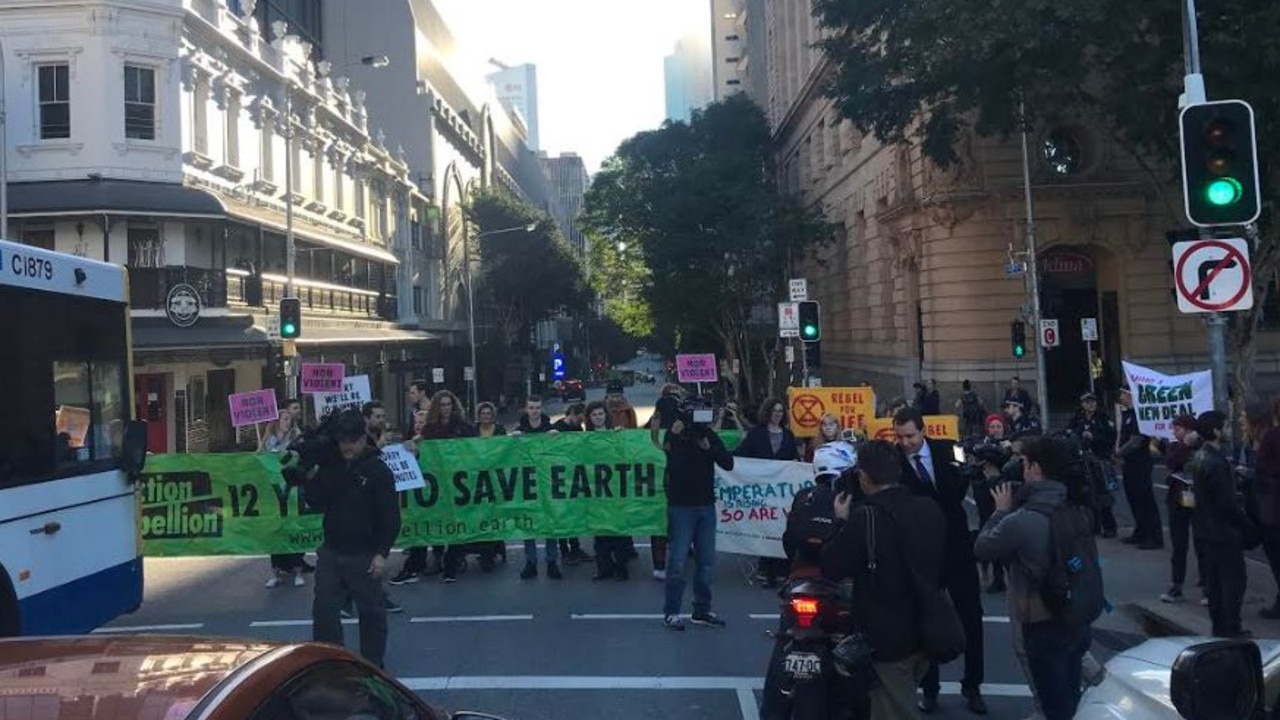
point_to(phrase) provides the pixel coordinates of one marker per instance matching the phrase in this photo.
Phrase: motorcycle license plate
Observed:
(802, 665)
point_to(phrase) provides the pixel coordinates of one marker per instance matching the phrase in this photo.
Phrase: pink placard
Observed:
(323, 377)
(251, 408)
(697, 368)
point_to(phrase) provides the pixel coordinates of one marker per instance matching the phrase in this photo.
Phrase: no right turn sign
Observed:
(1213, 275)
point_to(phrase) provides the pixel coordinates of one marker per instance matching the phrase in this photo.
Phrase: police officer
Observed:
(1098, 435)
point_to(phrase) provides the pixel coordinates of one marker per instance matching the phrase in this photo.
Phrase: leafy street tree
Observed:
(689, 233)
(524, 276)
(973, 65)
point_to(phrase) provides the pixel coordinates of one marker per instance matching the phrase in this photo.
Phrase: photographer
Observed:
(987, 472)
(357, 495)
(693, 450)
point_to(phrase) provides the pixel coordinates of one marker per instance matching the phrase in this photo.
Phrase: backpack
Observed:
(1072, 587)
(812, 519)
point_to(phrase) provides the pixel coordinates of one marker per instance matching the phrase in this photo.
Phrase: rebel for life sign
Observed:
(752, 503)
(323, 377)
(854, 407)
(251, 408)
(1159, 398)
(697, 368)
(354, 394)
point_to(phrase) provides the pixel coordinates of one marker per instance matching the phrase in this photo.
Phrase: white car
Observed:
(1192, 678)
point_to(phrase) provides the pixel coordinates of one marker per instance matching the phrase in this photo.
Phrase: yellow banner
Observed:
(941, 427)
(854, 407)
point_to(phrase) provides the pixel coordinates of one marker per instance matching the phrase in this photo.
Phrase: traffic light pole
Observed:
(1033, 275)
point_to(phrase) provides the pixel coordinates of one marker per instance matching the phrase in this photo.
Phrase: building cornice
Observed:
(812, 83)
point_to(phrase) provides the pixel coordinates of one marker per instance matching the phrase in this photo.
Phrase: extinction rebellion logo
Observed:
(180, 505)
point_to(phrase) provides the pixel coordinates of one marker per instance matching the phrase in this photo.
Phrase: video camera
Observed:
(692, 411)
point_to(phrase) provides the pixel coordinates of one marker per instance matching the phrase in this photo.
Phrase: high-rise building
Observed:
(688, 76)
(739, 45)
(569, 180)
(517, 89)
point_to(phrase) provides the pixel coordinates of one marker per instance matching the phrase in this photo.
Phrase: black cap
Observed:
(350, 425)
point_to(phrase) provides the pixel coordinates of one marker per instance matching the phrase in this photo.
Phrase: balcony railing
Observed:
(149, 290)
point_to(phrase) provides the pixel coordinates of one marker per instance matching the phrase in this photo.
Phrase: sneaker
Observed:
(708, 619)
(529, 572)
(391, 605)
(298, 581)
(435, 565)
(1174, 595)
(449, 578)
(581, 555)
(553, 571)
(273, 581)
(673, 622)
(404, 578)
(347, 612)
(660, 575)
(308, 567)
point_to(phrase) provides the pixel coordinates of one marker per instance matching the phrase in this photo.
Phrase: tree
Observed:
(934, 70)
(525, 275)
(689, 234)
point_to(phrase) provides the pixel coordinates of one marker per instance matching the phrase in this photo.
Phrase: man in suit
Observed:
(930, 469)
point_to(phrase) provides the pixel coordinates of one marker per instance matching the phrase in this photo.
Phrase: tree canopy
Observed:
(689, 232)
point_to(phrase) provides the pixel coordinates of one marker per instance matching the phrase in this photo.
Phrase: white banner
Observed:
(752, 502)
(1160, 398)
(355, 393)
(404, 466)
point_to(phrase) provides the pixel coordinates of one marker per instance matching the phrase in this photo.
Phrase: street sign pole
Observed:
(1033, 270)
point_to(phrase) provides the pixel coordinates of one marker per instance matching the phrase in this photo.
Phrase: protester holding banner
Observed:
(574, 417)
(487, 424)
(280, 434)
(361, 521)
(534, 421)
(621, 413)
(613, 552)
(1134, 454)
(770, 439)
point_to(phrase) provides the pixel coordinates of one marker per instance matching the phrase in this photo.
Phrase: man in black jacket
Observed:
(930, 469)
(908, 533)
(1218, 521)
(357, 494)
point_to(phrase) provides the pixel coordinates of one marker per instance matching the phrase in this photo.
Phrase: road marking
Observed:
(747, 704)
(147, 628)
(616, 616)
(469, 618)
(295, 623)
(632, 682)
(993, 619)
(1162, 487)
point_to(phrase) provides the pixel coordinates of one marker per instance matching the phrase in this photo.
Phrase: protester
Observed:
(570, 548)
(419, 396)
(1181, 501)
(1019, 423)
(621, 413)
(770, 439)
(892, 547)
(1260, 421)
(1016, 393)
(996, 432)
(487, 424)
(1219, 524)
(969, 408)
(361, 521)
(279, 436)
(613, 552)
(671, 393)
(991, 459)
(930, 469)
(1134, 454)
(932, 399)
(534, 421)
(692, 454)
(1097, 435)
(730, 417)
(375, 418)
(1019, 534)
(829, 431)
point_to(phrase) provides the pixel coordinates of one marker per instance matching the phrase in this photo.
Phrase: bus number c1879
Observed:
(32, 267)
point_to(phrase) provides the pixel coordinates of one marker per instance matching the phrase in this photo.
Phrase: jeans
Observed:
(339, 577)
(531, 552)
(690, 527)
(1055, 652)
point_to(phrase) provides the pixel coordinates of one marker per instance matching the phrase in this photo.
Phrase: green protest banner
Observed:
(545, 486)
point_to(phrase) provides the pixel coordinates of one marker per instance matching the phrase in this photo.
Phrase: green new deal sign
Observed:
(545, 486)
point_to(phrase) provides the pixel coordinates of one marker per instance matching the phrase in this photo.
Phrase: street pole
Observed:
(1033, 272)
(472, 391)
(1194, 94)
(4, 156)
(291, 248)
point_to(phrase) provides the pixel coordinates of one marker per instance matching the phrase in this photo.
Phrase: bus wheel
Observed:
(10, 626)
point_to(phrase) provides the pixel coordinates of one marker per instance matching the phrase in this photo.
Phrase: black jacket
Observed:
(1025, 426)
(755, 444)
(361, 510)
(525, 427)
(1134, 450)
(1102, 429)
(1218, 516)
(691, 472)
(563, 425)
(885, 605)
(948, 490)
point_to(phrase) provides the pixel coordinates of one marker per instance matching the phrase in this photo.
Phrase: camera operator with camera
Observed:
(344, 477)
(693, 451)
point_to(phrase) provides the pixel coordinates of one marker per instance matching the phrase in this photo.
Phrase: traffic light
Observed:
(290, 318)
(810, 314)
(1220, 163)
(1019, 333)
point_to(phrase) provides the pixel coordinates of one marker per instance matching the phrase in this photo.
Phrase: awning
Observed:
(207, 334)
(363, 336)
(111, 197)
(275, 220)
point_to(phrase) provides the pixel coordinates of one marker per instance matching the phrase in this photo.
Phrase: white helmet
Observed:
(833, 459)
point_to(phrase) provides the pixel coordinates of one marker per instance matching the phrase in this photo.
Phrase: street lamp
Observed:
(471, 303)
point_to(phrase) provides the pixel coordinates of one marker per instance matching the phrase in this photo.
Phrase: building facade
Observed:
(687, 77)
(915, 285)
(174, 137)
(517, 90)
(569, 180)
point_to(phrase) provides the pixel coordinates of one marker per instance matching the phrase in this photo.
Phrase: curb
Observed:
(1158, 624)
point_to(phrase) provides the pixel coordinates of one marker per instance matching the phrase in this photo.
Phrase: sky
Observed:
(599, 62)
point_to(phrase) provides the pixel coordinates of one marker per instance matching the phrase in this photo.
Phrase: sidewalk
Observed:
(1136, 578)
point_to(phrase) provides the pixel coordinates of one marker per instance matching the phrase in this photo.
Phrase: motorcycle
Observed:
(820, 668)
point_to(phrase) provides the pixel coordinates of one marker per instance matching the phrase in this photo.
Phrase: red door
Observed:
(152, 402)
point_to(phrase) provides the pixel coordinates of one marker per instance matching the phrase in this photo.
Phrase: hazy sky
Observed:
(599, 61)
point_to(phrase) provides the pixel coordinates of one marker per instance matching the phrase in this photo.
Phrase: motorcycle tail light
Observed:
(806, 609)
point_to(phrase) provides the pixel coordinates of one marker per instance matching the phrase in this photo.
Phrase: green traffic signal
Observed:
(810, 331)
(809, 313)
(1224, 191)
(1019, 351)
(290, 318)
(1220, 181)
(288, 329)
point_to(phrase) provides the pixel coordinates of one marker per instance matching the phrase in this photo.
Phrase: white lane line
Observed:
(294, 623)
(616, 616)
(993, 619)
(147, 628)
(469, 618)
(747, 704)
(629, 682)
(1162, 487)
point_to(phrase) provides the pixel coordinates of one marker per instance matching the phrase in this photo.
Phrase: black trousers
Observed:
(290, 562)
(1138, 490)
(1224, 582)
(962, 585)
(1271, 547)
(337, 578)
(613, 552)
(1180, 536)
(986, 508)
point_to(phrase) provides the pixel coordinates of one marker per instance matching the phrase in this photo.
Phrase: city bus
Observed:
(70, 452)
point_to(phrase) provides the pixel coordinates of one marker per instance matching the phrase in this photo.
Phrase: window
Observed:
(732, 60)
(231, 143)
(55, 101)
(732, 38)
(200, 116)
(67, 416)
(139, 103)
(1063, 152)
(341, 690)
(267, 151)
(317, 167)
(417, 299)
(733, 82)
(39, 237)
(415, 234)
